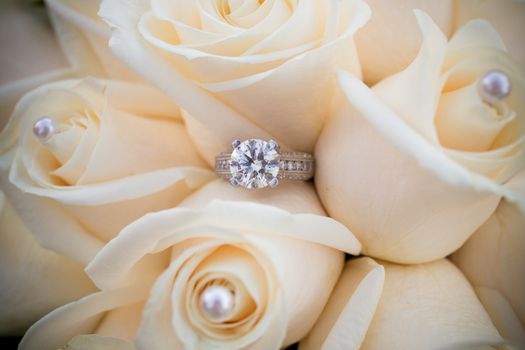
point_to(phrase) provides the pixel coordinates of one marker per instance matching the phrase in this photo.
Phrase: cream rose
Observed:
(34, 280)
(279, 264)
(422, 160)
(430, 306)
(112, 159)
(493, 261)
(83, 37)
(391, 40)
(241, 69)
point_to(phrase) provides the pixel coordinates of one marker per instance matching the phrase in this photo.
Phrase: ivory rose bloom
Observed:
(241, 69)
(34, 280)
(279, 258)
(423, 159)
(112, 159)
(493, 261)
(430, 306)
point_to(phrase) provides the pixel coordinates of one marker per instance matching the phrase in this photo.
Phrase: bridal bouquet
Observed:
(263, 174)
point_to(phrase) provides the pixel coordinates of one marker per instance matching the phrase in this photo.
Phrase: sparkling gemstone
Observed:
(254, 163)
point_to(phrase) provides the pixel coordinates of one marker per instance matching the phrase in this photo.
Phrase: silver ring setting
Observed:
(256, 164)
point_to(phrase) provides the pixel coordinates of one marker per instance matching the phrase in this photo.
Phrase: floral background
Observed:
(410, 236)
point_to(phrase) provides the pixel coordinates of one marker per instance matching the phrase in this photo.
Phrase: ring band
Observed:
(255, 164)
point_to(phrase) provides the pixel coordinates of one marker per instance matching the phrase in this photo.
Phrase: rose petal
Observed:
(477, 33)
(293, 196)
(11, 93)
(106, 220)
(63, 234)
(398, 209)
(130, 187)
(393, 32)
(122, 322)
(427, 301)
(83, 38)
(139, 241)
(508, 18)
(34, 280)
(79, 317)
(131, 144)
(347, 316)
(502, 314)
(493, 258)
(414, 93)
(96, 342)
(464, 122)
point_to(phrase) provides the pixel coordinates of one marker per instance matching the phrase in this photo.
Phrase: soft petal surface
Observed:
(349, 311)
(503, 316)
(83, 38)
(96, 342)
(441, 302)
(83, 316)
(493, 261)
(398, 209)
(390, 40)
(34, 280)
(507, 16)
(10, 93)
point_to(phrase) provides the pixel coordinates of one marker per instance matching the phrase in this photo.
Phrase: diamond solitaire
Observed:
(256, 164)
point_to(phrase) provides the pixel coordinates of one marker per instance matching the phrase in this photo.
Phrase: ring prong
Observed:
(234, 182)
(273, 182)
(273, 145)
(236, 143)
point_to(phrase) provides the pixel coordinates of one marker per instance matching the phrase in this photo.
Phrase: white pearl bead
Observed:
(44, 128)
(216, 302)
(494, 86)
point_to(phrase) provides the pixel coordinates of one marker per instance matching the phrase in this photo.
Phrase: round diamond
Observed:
(254, 163)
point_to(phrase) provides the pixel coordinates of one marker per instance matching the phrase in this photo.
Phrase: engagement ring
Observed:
(255, 164)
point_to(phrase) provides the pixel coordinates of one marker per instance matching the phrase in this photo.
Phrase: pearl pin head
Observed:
(44, 128)
(494, 86)
(216, 302)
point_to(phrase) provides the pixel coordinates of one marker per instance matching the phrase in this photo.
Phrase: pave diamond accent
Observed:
(255, 163)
